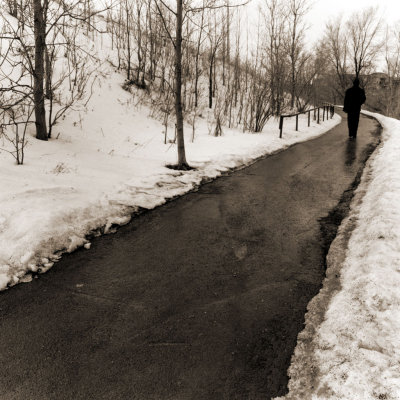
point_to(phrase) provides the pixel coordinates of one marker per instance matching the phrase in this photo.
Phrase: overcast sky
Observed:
(323, 10)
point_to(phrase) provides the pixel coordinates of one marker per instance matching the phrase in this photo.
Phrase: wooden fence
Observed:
(327, 109)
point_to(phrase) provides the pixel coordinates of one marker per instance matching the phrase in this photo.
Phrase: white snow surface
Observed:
(104, 164)
(350, 347)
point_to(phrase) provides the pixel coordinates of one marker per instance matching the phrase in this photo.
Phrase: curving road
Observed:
(200, 299)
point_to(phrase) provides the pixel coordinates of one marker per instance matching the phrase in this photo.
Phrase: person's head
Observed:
(356, 82)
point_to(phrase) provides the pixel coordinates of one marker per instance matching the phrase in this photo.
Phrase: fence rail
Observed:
(327, 108)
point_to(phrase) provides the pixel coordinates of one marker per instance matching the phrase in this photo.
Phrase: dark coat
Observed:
(354, 98)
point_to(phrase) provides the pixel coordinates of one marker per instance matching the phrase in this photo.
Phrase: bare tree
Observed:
(182, 163)
(39, 20)
(275, 63)
(182, 14)
(197, 56)
(215, 38)
(296, 11)
(338, 55)
(177, 43)
(311, 67)
(392, 61)
(14, 122)
(352, 48)
(45, 21)
(363, 39)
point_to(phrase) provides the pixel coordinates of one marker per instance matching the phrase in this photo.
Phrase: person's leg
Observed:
(355, 122)
(352, 120)
(349, 124)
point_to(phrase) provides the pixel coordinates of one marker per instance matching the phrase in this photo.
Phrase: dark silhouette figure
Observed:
(354, 98)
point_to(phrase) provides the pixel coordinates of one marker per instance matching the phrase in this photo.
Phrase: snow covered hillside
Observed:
(103, 165)
(350, 347)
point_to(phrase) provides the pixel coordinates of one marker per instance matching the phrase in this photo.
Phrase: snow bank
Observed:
(107, 163)
(350, 347)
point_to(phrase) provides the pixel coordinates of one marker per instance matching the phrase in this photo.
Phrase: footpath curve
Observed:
(202, 298)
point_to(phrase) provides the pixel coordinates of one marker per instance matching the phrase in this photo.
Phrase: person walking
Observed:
(354, 98)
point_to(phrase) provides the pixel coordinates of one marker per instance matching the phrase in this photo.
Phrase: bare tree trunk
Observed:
(49, 91)
(228, 37)
(128, 38)
(196, 74)
(139, 42)
(214, 89)
(293, 59)
(152, 36)
(182, 163)
(38, 82)
(223, 56)
(145, 52)
(48, 73)
(210, 82)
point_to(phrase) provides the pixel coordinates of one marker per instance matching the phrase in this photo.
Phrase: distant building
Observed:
(378, 79)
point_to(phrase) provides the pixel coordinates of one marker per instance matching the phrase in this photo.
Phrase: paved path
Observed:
(200, 299)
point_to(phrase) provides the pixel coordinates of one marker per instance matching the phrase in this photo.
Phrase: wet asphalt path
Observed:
(200, 299)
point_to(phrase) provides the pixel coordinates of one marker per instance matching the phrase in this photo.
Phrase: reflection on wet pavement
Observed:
(351, 152)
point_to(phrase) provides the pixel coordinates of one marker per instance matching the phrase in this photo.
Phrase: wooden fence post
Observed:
(309, 118)
(297, 122)
(280, 126)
